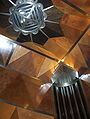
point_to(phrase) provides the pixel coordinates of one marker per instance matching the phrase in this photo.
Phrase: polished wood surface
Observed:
(65, 8)
(37, 64)
(84, 5)
(25, 92)
(40, 48)
(6, 110)
(73, 26)
(11, 112)
(31, 86)
(58, 46)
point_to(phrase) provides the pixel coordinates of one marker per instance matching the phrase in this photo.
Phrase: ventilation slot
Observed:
(70, 102)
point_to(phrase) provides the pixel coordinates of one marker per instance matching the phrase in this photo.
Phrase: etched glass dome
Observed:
(27, 16)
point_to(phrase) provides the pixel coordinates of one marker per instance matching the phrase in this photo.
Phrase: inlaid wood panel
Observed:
(8, 111)
(23, 91)
(67, 8)
(79, 57)
(84, 5)
(58, 46)
(30, 63)
(73, 26)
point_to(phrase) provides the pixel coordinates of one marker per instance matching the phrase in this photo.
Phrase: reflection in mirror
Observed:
(6, 49)
(27, 60)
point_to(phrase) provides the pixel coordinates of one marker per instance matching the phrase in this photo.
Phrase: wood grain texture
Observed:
(8, 111)
(79, 57)
(73, 26)
(23, 91)
(65, 8)
(58, 46)
(84, 5)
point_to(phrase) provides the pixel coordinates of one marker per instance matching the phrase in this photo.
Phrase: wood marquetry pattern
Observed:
(12, 112)
(31, 63)
(25, 80)
(75, 7)
(25, 92)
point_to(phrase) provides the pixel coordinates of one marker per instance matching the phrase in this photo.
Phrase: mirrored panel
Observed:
(6, 49)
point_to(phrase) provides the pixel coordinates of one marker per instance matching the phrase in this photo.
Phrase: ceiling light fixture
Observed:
(27, 16)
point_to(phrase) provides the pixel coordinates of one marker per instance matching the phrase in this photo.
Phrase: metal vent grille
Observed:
(70, 102)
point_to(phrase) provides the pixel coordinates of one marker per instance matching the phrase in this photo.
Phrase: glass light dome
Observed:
(27, 16)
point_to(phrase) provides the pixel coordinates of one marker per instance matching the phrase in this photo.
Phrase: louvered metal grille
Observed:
(70, 102)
